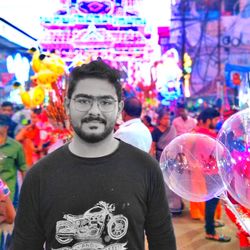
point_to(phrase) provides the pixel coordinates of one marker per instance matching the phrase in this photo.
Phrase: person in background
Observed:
(197, 209)
(133, 131)
(22, 118)
(146, 119)
(162, 135)
(183, 123)
(7, 215)
(7, 210)
(208, 119)
(95, 192)
(29, 137)
(35, 137)
(12, 159)
(7, 108)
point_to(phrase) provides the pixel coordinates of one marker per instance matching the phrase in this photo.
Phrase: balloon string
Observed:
(231, 206)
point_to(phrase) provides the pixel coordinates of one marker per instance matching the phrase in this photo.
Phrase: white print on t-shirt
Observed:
(97, 228)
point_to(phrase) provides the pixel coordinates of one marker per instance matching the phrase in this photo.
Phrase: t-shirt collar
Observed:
(132, 121)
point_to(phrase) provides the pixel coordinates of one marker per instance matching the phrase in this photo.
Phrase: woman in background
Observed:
(162, 135)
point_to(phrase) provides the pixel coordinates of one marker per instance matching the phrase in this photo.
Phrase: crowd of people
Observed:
(104, 187)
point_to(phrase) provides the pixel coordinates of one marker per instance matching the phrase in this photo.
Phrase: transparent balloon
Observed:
(190, 169)
(235, 135)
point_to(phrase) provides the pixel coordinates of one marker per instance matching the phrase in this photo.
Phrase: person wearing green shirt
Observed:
(12, 159)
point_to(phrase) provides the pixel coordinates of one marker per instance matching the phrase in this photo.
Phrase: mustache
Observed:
(90, 119)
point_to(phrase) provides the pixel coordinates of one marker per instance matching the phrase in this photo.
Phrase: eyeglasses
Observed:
(105, 104)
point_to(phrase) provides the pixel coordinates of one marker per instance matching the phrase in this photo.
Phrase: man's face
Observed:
(7, 110)
(93, 125)
(165, 120)
(213, 122)
(34, 118)
(182, 113)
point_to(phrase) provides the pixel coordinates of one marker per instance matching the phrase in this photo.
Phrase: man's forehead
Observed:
(82, 95)
(94, 87)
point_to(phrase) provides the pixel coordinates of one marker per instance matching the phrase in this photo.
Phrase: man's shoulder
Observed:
(190, 118)
(14, 143)
(52, 159)
(133, 128)
(133, 152)
(137, 125)
(177, 118)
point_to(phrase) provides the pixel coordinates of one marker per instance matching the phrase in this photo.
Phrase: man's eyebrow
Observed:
(91, 96)
(106, 97)
(83, 95)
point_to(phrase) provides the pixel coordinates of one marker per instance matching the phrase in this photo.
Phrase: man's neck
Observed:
(184, 118)
(204, 126)
(128, 118)
(163, 128)
(93, 150)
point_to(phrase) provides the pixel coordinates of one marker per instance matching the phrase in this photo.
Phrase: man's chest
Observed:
(99, 209)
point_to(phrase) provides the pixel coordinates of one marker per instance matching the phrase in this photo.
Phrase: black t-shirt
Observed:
(156, 135)
(78, 203)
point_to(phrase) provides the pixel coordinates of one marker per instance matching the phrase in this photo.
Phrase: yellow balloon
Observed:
(25, 97)
(45, 77)
(55, 63)
(37, 96)
(37, 63)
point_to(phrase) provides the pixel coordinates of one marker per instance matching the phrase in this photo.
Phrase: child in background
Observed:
(7, 211)
(7, 215)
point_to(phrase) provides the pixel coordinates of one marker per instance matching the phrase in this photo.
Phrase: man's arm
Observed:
(28, 231)
(7, 211)
(21, 162)
(158, 226)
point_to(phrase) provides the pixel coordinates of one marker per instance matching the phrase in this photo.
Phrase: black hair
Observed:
(133, 107)
(7, 104)
(181, 105)
(161, 114)
(95, 69)
(208, 113)
(148, 119)
(4, 120)
(37, 111)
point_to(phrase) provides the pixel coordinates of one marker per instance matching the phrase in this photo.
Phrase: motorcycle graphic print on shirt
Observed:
(97, 228)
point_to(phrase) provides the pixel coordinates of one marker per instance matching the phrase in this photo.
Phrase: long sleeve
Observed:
(159, 228)
(28, 233)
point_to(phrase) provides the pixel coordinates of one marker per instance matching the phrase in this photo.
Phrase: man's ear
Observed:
(120, 107)
(66, 105)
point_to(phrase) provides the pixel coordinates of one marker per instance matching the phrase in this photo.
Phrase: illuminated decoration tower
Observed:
(110, 29)
(115, 30)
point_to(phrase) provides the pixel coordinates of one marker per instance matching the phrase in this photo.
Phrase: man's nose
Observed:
(94, 108)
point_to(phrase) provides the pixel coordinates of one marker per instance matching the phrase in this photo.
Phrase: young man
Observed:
(133, 131)
(12, 159)
(183, 123)
(208, 120)
(7, 108)
(96, 192)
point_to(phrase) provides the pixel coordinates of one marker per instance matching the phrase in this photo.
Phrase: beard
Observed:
(212, 126)
(92, 137)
